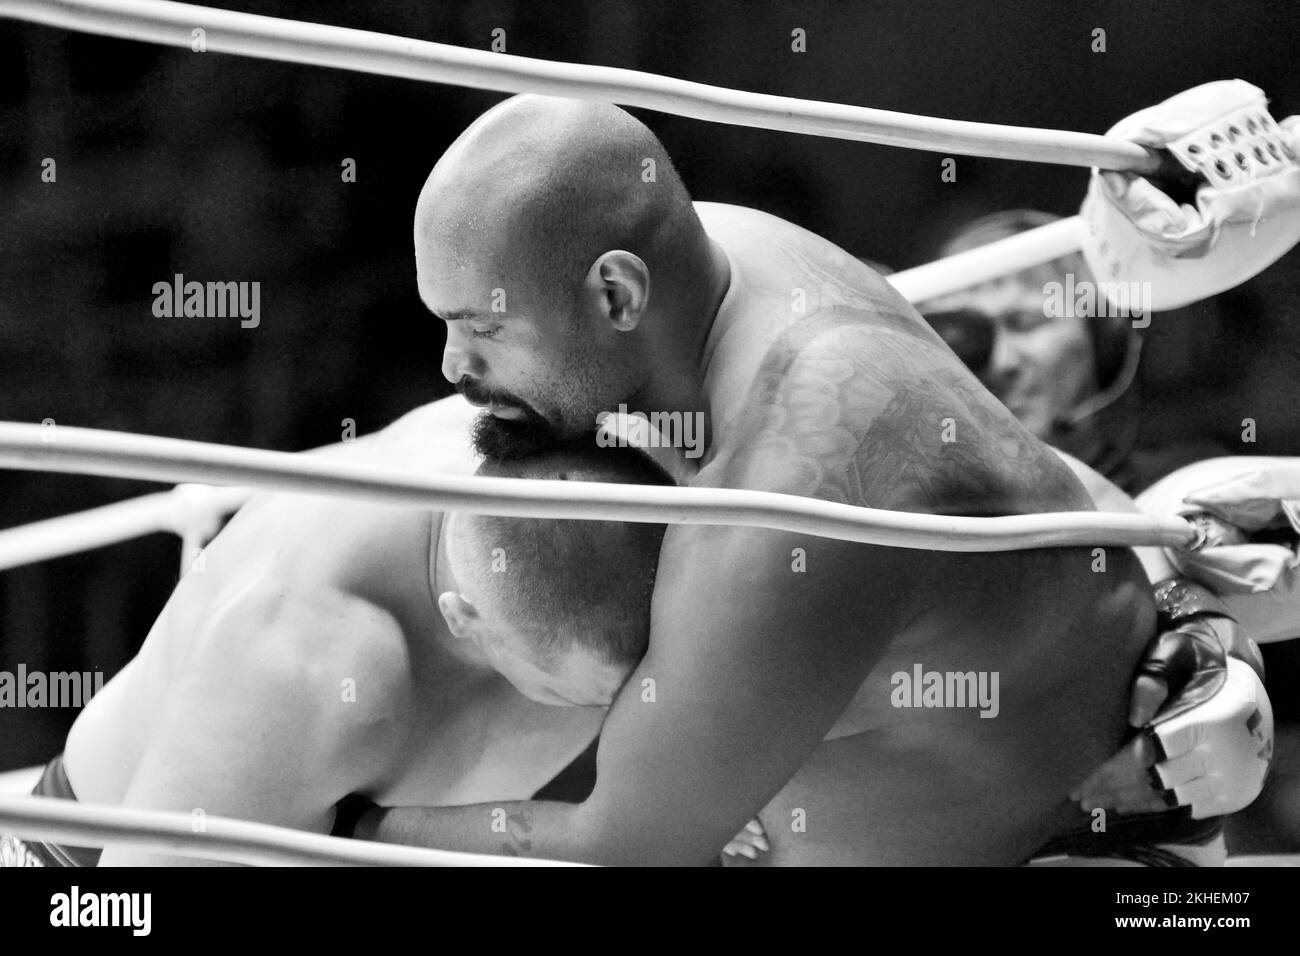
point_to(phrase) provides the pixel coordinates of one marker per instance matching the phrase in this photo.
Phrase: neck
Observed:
(678, 381)
(690, 315)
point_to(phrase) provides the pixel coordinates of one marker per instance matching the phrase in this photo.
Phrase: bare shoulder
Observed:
(850, 405)
(444, 415)
(323, 651)
(434, 437)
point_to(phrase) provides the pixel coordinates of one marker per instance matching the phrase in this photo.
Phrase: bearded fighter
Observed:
(575, 275)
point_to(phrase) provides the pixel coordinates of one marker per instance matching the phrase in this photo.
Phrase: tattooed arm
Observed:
(750, 665)
(748, 669)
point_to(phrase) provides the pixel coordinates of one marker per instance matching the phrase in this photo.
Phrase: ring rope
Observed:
(84, 530)
(994, 260)
(273, 38)
(185, 510)
(219, 838)
(121, 455)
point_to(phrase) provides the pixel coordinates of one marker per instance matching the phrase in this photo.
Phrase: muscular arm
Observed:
(750, 662)
(255, 724)
(749, 667)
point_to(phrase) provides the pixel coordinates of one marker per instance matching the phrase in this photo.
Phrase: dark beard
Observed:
(500, 439)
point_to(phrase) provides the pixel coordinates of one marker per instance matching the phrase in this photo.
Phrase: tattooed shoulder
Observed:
(845, 409)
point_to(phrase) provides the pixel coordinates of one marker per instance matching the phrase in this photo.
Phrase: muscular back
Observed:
(825, 383)
(350, 562)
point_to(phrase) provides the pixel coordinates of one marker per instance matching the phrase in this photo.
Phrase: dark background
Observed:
(228, 169)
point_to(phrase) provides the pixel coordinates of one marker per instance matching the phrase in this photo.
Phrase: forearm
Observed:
(538, 829)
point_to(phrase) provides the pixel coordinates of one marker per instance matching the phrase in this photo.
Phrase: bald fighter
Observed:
(330, 649)
(575, 276)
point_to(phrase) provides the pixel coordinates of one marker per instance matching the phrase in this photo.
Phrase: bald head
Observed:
(549, 184)
(557, 242)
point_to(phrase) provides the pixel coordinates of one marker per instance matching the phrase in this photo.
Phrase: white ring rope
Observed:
(85, 530)
(220, 838)
(189, 511)
(171, 23)
(120, 455)
(226, 31)
(995, 260)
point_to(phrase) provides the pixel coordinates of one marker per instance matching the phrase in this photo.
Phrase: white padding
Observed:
(1245, 216)
(1244, 495)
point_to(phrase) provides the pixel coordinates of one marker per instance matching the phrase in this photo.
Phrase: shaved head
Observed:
(560, 607)
(551, 184)
(536, 239)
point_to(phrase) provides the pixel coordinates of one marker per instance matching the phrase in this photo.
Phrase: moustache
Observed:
(476, 394)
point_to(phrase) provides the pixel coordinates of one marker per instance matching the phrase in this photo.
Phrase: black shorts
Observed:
(17, 852)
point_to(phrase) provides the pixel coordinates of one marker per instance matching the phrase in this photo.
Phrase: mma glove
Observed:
(1206, 734)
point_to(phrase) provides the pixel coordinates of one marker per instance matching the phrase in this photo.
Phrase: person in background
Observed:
(1056, 373)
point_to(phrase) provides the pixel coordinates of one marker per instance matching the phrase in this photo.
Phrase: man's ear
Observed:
(461, 616)
(620, 284)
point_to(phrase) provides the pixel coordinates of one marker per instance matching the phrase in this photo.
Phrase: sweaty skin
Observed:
(767, 684)
(307, 660)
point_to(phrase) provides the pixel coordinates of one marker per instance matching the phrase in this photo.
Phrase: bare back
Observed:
(366, 568)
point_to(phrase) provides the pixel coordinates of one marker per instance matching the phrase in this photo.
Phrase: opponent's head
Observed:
(537, 236)
(1039, 362)
(560, 608)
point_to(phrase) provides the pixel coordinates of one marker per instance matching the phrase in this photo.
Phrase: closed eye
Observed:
(485, 333)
